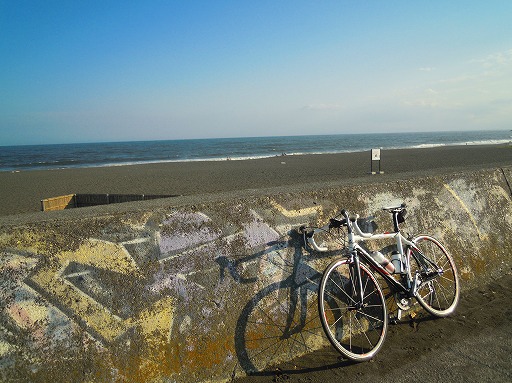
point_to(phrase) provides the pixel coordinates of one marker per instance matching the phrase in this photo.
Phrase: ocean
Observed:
(34, 157)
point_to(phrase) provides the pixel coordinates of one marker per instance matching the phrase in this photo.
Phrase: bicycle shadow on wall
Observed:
(281, 321)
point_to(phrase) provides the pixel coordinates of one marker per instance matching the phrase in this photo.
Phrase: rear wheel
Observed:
(438, 293)
(356, 329)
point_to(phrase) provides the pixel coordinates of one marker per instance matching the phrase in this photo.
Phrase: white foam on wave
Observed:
(426, 146)
(490, 142)
(472, 143)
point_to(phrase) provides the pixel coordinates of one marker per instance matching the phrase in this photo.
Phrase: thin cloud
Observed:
(459, 79)
(422, 103)
(495, 59)
(323, 107)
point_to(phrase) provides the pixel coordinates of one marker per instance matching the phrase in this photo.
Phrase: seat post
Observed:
(395, 222)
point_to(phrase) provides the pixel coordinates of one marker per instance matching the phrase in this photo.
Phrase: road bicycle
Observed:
(351, 302)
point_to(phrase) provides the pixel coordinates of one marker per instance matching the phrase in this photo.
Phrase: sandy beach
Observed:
(21, 192)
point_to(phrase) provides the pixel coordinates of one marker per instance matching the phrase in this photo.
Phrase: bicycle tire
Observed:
(438, 296)
(357, 333)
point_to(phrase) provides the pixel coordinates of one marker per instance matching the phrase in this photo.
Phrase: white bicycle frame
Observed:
(360, 236)
(356, 235)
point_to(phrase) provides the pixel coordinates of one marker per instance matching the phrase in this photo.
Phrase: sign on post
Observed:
(375, 156)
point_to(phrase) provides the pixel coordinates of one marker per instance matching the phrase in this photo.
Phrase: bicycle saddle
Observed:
(393, 209)
(400, 212)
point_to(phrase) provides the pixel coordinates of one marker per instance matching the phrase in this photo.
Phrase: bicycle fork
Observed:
(358, 281)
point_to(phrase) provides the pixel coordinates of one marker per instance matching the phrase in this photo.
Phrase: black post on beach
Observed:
(375, 156)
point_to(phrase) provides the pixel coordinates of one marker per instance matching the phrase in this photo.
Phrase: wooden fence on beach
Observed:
(72, 201)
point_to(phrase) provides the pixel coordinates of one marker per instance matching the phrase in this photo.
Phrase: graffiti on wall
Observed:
(144, 295)
(184, 290)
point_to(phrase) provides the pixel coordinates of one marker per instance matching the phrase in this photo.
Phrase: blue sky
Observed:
(88, 71)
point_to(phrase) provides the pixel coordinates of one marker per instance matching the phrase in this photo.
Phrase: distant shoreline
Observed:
(77, 156)
(249, 158)
(21, 192)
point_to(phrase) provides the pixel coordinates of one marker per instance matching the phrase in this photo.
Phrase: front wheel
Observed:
(355, 327)
(438, 292)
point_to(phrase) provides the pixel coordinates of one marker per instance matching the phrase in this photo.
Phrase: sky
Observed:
(99, 71)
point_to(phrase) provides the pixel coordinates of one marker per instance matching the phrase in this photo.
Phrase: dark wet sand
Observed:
(473, 345)
(21, 192)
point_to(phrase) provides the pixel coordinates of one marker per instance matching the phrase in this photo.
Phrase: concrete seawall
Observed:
(212, 289)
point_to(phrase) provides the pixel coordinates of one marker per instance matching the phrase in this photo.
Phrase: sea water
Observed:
(33, 157)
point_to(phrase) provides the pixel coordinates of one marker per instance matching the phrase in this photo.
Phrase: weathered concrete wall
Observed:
(213, 290)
